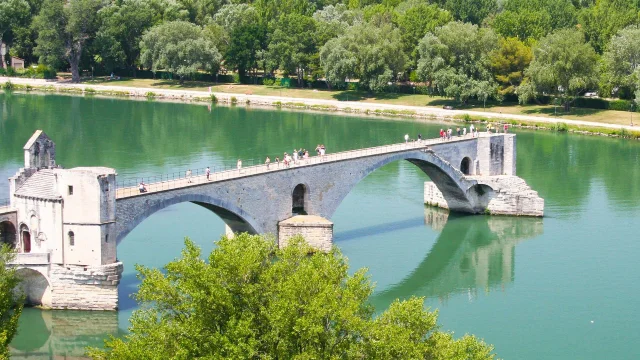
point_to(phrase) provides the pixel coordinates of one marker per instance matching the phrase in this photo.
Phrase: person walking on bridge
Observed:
(208, 172)
(188, 176)
(267, 162)
(406, 138)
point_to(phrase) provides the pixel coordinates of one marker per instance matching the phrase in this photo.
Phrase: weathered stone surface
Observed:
(85, 287)
(508, 195)
(317, 231)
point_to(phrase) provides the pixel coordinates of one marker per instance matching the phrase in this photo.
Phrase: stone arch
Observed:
(233, 216)
(35, 286)
(449, 180)
(465, 165)
(300, 199)
(8, 234)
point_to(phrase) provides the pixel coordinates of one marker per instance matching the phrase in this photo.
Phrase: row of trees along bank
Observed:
(463, 49)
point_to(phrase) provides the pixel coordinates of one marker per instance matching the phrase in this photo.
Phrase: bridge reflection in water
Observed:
(471, 253)
(65, 333)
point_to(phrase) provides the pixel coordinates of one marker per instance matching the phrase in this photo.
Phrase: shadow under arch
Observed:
(35, 287)
(234, 217)
(471, 252)
(461, 194)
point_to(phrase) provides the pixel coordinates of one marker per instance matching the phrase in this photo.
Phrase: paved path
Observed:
(182, 182)
(339, 105)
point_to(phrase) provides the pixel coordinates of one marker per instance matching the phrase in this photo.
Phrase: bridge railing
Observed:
(176, 180)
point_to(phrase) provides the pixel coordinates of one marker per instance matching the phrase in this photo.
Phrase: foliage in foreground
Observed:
(10, 307)
(251, 300)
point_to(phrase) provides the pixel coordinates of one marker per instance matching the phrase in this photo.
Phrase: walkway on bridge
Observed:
(167, 182)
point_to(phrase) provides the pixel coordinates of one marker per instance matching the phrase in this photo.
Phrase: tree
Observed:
(603, 20)
(415, 20)
(292, 44)
(621, 61)
(473, 11)
(63, 30)
(455, 59)
(371, 54)
(252, 300)
(533, 19)
(563, 65)
(10, 306)
(508, 63)
(178, 47)
(12, 14)
(118, 38)
(246, 41)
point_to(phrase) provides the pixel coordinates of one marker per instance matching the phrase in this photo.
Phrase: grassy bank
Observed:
(584, 114)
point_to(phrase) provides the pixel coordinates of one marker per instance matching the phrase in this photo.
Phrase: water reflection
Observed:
(471, 253)
(64, 333)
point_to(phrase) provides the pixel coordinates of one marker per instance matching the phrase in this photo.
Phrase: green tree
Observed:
(533, 19)
(508, 63)
(456, 60)
(292, 45)
(621, 61)
(415, 19)
(473, 11)
(366, 52)
(10, 306)
(122, 26)
(247, 40)
(603, 20)
(64, 27)
(252, 300)
(178, 47)
(563, 65)
(12, 14)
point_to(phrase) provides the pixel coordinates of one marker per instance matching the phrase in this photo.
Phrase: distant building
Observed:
(17, 63)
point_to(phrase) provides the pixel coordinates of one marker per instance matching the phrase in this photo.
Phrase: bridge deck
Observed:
(183, 182)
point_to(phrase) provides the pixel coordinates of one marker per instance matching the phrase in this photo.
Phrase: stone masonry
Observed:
(85, 287)
(508, 195)
(316, 231)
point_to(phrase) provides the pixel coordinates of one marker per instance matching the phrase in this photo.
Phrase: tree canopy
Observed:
(251, 300)
(10, 306)
(563, 65)
(179, 47)
(455, 59)
(621, 61)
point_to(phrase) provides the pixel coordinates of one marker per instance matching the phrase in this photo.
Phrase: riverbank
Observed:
(353, 107)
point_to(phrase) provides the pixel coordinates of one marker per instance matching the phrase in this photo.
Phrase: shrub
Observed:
(89, 91)
(10, 71)
(268, 81)
(236, 78)
(234, 100)
(560, 127)
(8, 85)
(150, 94)
(213, 98)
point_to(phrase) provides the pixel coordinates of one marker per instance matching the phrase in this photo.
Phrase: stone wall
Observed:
(317, 231)
(85, 287)
(510, 195)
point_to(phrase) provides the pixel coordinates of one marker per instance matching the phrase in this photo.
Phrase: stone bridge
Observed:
(65, 223)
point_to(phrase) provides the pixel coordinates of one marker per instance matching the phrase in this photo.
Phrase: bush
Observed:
(214, 99)
(268, 82)
(234, 100)
(620, 105)
(150, 94)
(8, 85)
(10, 71)
(236, 78)
(560, 127)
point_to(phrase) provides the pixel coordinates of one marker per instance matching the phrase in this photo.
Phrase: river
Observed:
(562, 287)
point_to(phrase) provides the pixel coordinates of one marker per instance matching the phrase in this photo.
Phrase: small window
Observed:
(106, 238)
(72, 240)
(70, 190)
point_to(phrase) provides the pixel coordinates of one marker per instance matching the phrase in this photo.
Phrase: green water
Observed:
(562, 287)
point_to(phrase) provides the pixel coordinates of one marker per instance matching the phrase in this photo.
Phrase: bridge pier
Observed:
(317, 231)
(505, 195)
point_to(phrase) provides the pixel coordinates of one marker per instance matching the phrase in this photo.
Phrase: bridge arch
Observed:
(300, 199)
(465, 165)
(8, 234)
(128, 217)
(35, 286)
(460, 193)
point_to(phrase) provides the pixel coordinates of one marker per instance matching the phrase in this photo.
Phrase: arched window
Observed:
(298, 200)
(72, 240)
